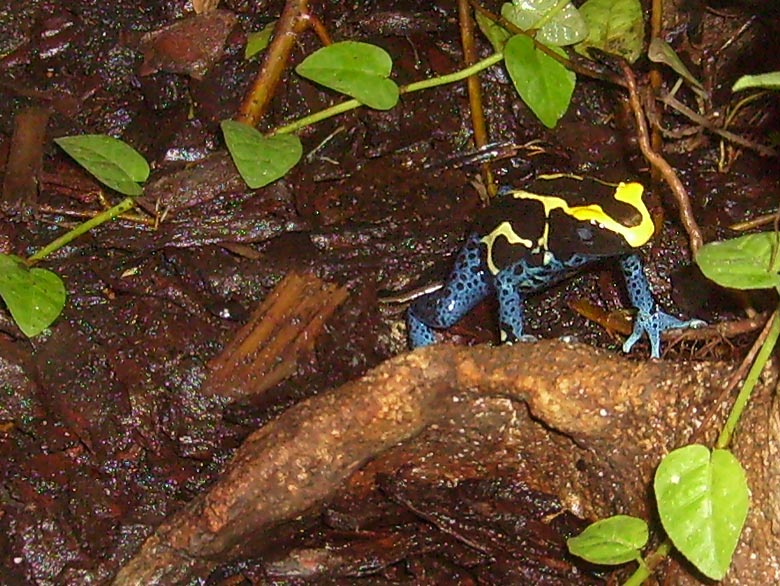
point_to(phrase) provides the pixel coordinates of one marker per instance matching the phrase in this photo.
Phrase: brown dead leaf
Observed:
(190, 46)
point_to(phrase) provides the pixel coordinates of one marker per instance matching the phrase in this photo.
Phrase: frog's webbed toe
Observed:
(653, 323)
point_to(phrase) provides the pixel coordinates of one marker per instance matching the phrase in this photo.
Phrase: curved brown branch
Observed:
(303, 457)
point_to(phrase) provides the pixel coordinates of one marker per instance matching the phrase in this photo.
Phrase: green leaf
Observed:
(558, 21)
(260, 160)
(495, 33)
(113, 162)
(259, 40)
(35, 297)
(611, 541)
(769, 81)
(614, 26)
(747, 262)
(359, 70)
(703, 501)
(660, 51)
(543, 83)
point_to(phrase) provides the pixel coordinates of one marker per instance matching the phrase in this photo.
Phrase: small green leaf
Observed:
(558, 21)
(357, 69)
(260, 160)
(35, 297)
(768, 81)
(742, 263)
(611, 541)
(703, 501)
(660, 51)
(543, 83)
(257, 41)
(495, 33)
(112, 161)
(614, 26)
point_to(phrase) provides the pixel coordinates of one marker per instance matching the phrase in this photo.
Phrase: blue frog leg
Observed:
(511, 305)
(469, 283)
(650, 318)
(521, 279)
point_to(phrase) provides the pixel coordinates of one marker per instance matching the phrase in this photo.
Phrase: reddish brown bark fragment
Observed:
(189, 46)
(25, 159)
(267, 349)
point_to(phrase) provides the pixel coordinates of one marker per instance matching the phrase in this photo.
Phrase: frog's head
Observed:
(614, 225)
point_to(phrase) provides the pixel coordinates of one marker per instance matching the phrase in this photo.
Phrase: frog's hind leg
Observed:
(467, 285)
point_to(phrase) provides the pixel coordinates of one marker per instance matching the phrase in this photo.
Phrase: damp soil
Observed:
(119, 419)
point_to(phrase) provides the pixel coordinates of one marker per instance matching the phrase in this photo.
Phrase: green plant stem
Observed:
(105, 216)
(406, 89)
(454, 76)
(645, 569)
(724, 439)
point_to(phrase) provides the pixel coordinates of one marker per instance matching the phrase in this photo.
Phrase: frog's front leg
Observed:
(510, 304)
(467, 285)
(650, 318)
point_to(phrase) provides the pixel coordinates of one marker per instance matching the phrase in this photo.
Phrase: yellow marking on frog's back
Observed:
(503, 229)
(630, 193)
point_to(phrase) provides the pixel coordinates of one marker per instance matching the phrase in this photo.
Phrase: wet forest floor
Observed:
(227, 396)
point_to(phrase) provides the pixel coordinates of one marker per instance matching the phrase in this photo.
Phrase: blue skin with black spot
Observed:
(472, 280)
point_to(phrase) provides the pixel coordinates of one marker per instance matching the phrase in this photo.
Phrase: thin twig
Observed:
(74, 213)
(702, 121)
(656, 21)
(475, 91)
(319, 28)
(657, 161)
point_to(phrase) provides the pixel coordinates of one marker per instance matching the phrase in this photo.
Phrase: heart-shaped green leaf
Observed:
(611, 541)
(559, 23)
(703, 501)
(543, 83)
(747, 262)
(259, 159)
(113, 162)
(614, 26)
(357, 69)
(35, 297)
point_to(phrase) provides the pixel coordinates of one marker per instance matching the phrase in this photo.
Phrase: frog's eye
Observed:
(584, 233)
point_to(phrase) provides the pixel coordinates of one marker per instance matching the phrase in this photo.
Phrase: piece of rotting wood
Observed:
(25, 160)
(620, 417)
(266, 350)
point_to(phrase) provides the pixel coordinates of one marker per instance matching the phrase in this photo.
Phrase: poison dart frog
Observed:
(527, 241)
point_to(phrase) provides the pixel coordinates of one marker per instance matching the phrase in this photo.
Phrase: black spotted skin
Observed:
(526, 242)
